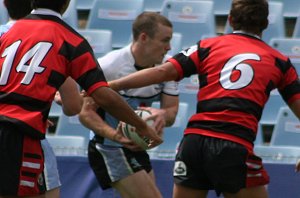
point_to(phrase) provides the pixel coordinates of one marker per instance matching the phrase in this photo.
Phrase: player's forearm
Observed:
(112, 103)
(170, 115)
(91, 120)
(144, 78)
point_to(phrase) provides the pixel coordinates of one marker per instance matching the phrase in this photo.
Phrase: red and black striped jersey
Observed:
(37, 54)
(236, 74)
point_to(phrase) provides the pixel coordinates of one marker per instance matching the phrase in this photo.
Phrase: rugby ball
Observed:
(129, 131)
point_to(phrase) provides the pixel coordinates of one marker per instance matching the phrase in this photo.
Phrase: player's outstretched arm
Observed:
(112, 103)
(145, 77)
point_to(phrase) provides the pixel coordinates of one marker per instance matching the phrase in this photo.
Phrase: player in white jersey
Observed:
(117, 163)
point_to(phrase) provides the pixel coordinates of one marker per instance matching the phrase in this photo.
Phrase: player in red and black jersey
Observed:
(236, 74)
(37, 55)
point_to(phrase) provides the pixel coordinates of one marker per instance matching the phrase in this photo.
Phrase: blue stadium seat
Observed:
(276, 27)
(193, 19)
(70, 16)
(296, 32)
(67, 145)
(287, 129)
(3, 14)
(55, 110)
(271, 108)
(289, 47)
(222, 7)
(84, 4)
(100, 40)
(71, 126)
(291, 8)
(117, 16)
(188, 89)
(153, 5)
(172, 135)
(175, 43)
(259, 136)
(278, 154)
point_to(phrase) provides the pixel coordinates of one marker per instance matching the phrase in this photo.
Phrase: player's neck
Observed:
(139, 56)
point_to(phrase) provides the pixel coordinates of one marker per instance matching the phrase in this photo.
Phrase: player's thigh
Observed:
(252, 192)
(137, 185)
(183, 192)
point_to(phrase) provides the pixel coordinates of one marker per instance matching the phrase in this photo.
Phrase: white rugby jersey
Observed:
(119, 63)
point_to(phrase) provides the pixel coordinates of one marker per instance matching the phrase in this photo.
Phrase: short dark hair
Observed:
(148, 22)
(55, 5)
(249, 15)
(18, 9)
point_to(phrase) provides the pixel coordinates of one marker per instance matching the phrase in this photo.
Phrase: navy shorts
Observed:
(22, 163)
(207, 163)
(111, 164)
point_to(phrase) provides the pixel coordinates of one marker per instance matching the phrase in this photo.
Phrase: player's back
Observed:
(38, 53)
(237, 72)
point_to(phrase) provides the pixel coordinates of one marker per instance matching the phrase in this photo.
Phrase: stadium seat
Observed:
(193, 19)
(296, 32)
(153, 5)
(84, 4)
(3, 14)
(188, 89)
(287, 129)
(55, 110)
(276, 27)
(172, 135)
(100, 40)
(117, 16)
(67, 145)
(291, 8)
(71, 126)
(175, 44)
(289, 47)
(222, 8)
(278, 154)
(271, 108)
(70, 16)
(259, 136)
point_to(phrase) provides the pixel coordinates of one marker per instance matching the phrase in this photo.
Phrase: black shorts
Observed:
(22, 163)
(111, 164)
(207, 163)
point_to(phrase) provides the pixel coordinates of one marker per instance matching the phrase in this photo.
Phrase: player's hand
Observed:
(150, 133)
(127, 143)
(49, 123)
(89, 103)
(57, 98)
(158, 116)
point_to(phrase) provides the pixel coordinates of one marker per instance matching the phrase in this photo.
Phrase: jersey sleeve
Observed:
(186, 62)
(85, 69)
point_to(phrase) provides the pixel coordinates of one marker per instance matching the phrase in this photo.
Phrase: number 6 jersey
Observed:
(236, 74)
(36, 56)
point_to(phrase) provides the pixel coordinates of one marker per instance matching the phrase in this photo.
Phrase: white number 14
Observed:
(35, 55)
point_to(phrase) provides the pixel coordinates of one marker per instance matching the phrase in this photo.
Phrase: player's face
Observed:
(158, 46)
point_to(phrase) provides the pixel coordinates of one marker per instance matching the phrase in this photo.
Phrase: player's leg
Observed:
(50, 171)
(137, 185)
(236, 171)
(253, 192)
(190, 179)
(122, 169)
(22, 163)
(183, 192)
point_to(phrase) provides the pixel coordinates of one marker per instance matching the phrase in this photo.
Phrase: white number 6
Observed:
(246, 71)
